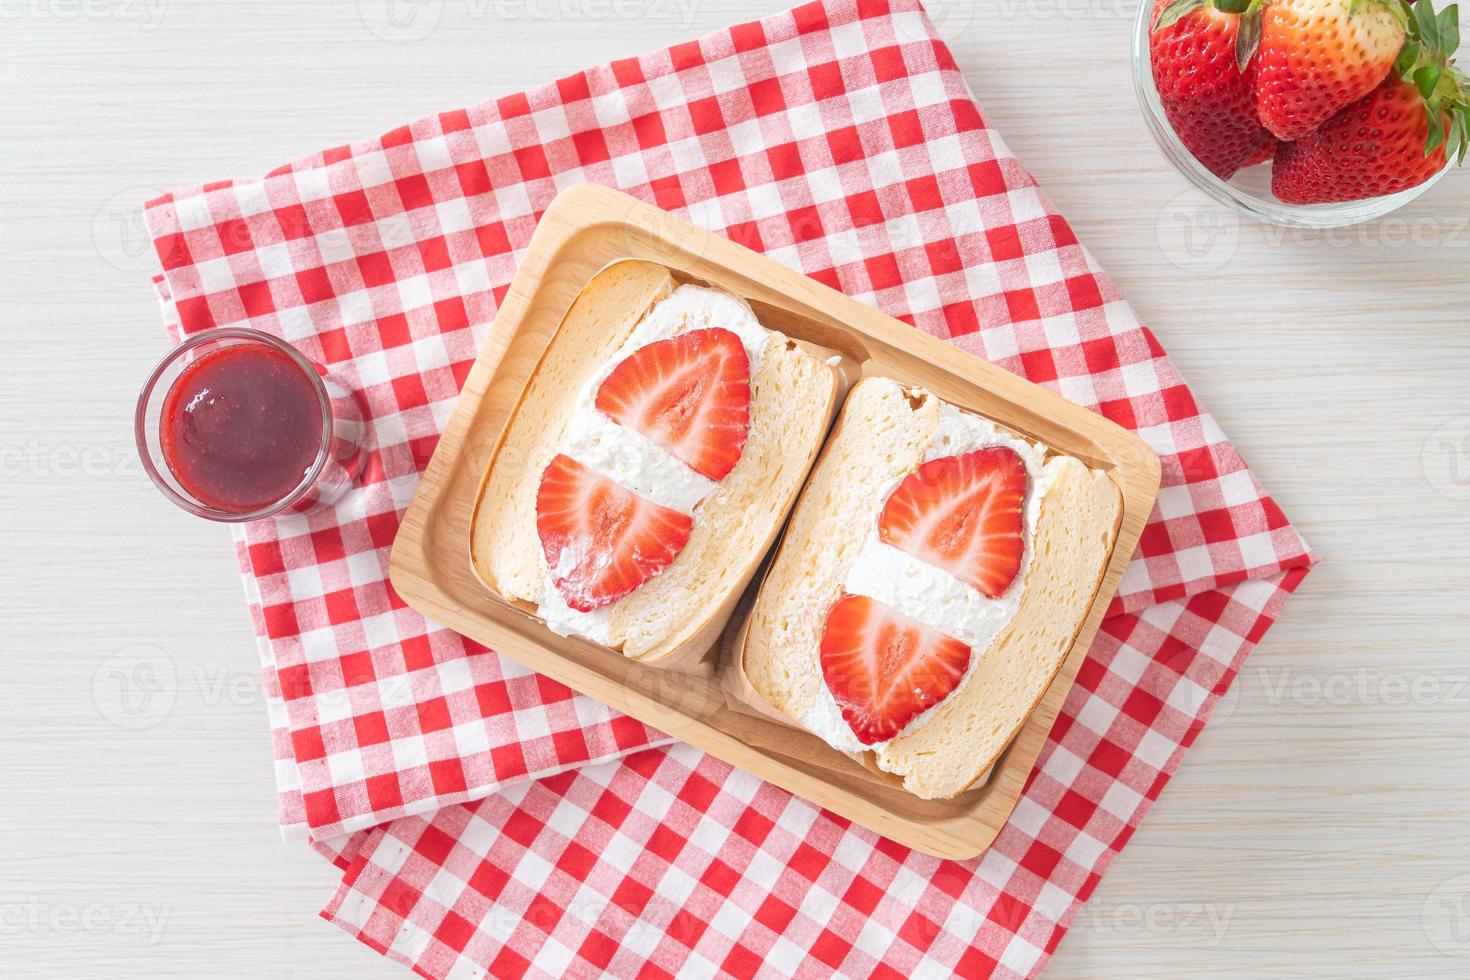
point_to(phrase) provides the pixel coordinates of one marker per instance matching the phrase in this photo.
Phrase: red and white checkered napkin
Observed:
(839, 139)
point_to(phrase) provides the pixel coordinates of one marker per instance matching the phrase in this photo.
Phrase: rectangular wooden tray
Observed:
(585, 229)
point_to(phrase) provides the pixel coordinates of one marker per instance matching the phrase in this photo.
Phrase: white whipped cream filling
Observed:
(928, 593)
(630, 459)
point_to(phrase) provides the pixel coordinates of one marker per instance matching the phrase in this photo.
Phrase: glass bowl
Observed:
(1249, 191)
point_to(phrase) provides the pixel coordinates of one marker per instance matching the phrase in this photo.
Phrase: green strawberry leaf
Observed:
(1436, 132)
(1428, 26)
(1449, 29)
(1403, 65)
(1248, 37)
(1426, 79)
(1456, 142)
(1171, 14)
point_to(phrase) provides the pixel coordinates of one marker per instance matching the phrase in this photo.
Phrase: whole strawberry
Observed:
(1318, 56)
(1208, 97)
(1397, 136)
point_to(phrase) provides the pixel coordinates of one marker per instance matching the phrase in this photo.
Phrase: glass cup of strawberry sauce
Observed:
(235, 425)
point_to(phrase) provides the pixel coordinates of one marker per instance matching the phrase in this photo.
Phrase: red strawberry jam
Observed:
(241, 427)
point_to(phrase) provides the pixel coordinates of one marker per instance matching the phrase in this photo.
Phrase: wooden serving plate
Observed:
(585, 229)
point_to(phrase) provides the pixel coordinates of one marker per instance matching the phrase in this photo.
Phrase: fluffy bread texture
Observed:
(879, 438)
(504, 545)
(882, 436)
(792, 394)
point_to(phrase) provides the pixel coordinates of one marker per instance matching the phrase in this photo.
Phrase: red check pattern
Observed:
(671, 863)
(840, 139)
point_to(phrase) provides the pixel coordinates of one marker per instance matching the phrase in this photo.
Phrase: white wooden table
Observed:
(1321, 825)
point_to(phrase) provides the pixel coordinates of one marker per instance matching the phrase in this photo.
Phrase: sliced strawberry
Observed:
(689, 394)
(963, 514)
(617, 540)
(884, 669)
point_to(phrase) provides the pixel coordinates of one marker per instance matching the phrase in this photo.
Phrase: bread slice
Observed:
(792, 399)
(885, 433)
(504, 546)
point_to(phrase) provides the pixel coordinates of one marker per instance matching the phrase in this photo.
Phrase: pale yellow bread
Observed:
(882, 436)
(792, 394)
(791, 403)
(879, 438)
(1072, 542)
(504, 546)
